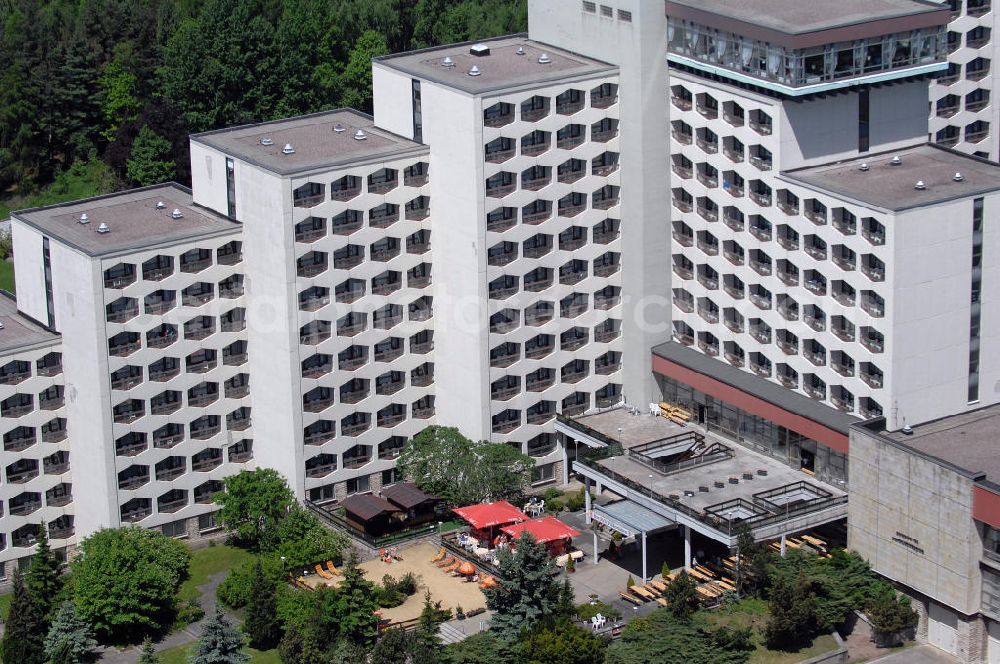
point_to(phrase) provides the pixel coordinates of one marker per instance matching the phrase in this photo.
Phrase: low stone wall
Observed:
(837, 656)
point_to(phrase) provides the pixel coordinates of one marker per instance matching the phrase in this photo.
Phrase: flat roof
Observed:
(20, 332)
(133, 218)
(634, 515)
(694, 478)
(512, 61)
(320, 141)
(967, 441)
(801, 16)
(892, 187)
(761, 388)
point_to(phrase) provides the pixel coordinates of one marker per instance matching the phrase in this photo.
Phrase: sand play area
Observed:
(451, 591)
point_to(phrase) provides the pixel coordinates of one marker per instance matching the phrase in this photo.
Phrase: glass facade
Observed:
(808, 66)
(764, 436)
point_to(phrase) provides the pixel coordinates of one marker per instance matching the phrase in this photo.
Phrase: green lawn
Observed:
(753, 613)
(5, 605)
(178, 655)
(208, 561)
(7, 275)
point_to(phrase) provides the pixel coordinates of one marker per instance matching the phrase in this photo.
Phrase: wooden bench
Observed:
(642, 592)
(631, 598)
(659, 585)
(662, 602)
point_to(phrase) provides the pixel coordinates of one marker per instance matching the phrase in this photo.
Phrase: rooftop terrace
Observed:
(319, 141)
(510, 61)
(127, 221)
(892, 186)
(682, 475)
(18, 332)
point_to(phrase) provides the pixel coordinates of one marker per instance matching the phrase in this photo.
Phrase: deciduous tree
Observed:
(253, 504)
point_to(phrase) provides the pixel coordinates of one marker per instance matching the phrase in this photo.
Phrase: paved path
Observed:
(189, 634)
(924, 654)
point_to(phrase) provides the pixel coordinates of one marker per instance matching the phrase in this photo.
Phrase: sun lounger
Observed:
(330, 567)
(446, 563)
(452, 567)
(322, 572)
(439, 555)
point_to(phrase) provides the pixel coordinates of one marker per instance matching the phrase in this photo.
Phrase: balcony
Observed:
(685, 304)
(761, 198)
(872, 343)
(978, 7)
(707, 213)
(683, 171)
(843, 402)
(815, 356)
(683, 272)
(710, 147)
(761, 301)
(124, 314)
(872, 379)
(709, 315)
(874, 307)
(24, 508)
(681, 136)
(787, 206)
(875, 273)
(682, 204)
(683, 339)
(817, 216)
(788, 277)
(845, 369)
(709, 348)
(605, 366)
(605, 333)
(734, 257)
(734, 324)
(734, 359)
(710, 247)
(760, 267)
(788, 240)
(816, 251)
(734, 154)
(167, 474)
(761, 369)
(817, 286)
(504, 392)
(733, 220)
(710, 181)
(682, 102)
(536, 382)
(708, 281)
(789, 313)
(814, 391)
(537, 351)
(845, 298)
(762, 233)
(761, 124)
(789, 345)
(762, 163)
(817, 323)
(685, 239)
(846, 262)
(788, 380)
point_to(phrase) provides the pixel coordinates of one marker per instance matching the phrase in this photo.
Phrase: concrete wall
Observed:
(911, 519)
(931, 279)
(393, 101)
(29, 271)
(639, 48)
(208, 178)
(825, 129)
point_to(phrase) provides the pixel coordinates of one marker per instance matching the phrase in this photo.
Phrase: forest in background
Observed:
(99, 95)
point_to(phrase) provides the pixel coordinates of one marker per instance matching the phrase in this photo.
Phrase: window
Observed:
(177, 528)
(231, 187)
(863, 120)
(207, 522)
(546, 473)
(418, 121)
(390, 476)
(589, 7)
(358, 485)
(975, 297)
(322, 494)
(625, 16)
(47, 269)
(606, 11)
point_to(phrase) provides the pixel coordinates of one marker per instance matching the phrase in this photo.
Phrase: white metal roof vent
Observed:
(920, 185)
(544, 59)
(160, 205)
(103, 228)
(958, 177)
(267, 140)
(448, 62)
(360, 135)
(288, 149)
(1, 326)
(339, 128)
(908, 430)
(520, 50)
(84, 219)
(864, 166)
(480, 50)
(896, 161)
(474, 71)
(176, 214)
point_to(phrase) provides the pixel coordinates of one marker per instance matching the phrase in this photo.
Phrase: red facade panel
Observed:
(986, 506)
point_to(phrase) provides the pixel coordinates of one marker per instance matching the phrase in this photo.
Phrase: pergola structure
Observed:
(631, 519)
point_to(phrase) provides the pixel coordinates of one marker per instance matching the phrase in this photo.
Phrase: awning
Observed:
(629, 518)
(367, 506)
(487, 515)
(406, 495)
(544, 529)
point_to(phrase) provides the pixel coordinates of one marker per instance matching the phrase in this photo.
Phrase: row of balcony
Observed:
(160, 267)
(348, 187)
(568, 102)
(575, 404)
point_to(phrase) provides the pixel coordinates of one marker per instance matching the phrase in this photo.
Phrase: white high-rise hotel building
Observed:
(727, 207)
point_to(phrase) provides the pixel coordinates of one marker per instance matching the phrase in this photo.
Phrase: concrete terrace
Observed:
(719, 482)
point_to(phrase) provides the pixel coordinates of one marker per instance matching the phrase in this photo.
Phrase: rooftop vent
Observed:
(176, 214)
(908, 430)
(896, 161)
(360, 135)
(864, 166)
(103, 228)
(480, 50)
(474, 71)
(958, 177)
(520, 50)
(339, 128)
(688, 493)
(160, 205)
(267, 140)
(448, 62)
(1, 326)
(288, 149)
(84, 219)
(920, 185)
(544, 59)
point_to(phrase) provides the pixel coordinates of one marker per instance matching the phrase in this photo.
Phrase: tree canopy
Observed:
(126, 580)
(444, 462)
(70, 639)
(81, 78)
(664, 639)
(253, 504)
(527, 592)
(24, 630)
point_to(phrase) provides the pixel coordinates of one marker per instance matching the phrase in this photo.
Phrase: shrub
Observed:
(555, 505)
(459, 613)
(552, 493)
(793, 620)
(189, 613)
(235, 590)
(407, 584)
(890, 614)
(576, 500)
(389, 594)
(586, 611)
(629, 582)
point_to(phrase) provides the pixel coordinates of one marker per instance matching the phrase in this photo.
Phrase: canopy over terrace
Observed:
(491, 515)
(546, 530)
(629, 519)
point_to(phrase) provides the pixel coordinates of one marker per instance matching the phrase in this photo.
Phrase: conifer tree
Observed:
(147, 655)
(528, 592)
(70, 639)
(22, 637)
(43, 576)
(220, 643)
(261, 622)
